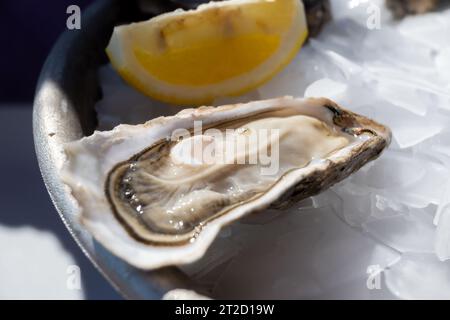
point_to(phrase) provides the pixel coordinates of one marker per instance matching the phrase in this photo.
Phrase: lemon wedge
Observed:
(220, 49)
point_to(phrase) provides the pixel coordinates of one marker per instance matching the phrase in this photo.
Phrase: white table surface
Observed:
(37, 254)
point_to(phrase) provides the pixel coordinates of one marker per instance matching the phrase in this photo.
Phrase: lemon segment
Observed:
(220, 49)
(197, 62)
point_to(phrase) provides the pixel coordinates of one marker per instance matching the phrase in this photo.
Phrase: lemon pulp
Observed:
(197, 62)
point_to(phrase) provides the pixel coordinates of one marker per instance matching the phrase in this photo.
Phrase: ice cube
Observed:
(406, 232)
(403, 97)
(419, 276)
(356, 203)
(429, 29)
(408, 129)
(405, 177)
(392, 170)
(347, 67)
(440, 144)
(306, 68)
(442, 61)
(326, 88)
(442, 221)
(360, 10)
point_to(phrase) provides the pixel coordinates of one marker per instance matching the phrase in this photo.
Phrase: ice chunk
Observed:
(423, 84)
(383, 207)
(408, 129)
(326, 88)
(441, 144)
(337, 41)
(306, 68)
(388, 207)
(442, 244)
(406, 232)
(403, 96)
(442, 61)
(356, 203)
(442, 220)
(347, 67)
(419, 276)
(393, 170)
(430, 30)
(358, 10)
(407, 178)
(444, 194)
(387, 47)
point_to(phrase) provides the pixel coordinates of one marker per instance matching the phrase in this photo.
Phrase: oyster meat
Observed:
(157, 194)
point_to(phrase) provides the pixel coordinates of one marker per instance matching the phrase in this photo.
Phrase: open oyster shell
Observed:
(146, 195)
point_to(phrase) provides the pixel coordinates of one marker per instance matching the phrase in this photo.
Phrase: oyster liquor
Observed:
(225, 309)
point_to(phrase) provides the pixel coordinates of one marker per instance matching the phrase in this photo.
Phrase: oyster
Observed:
(157, 194)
